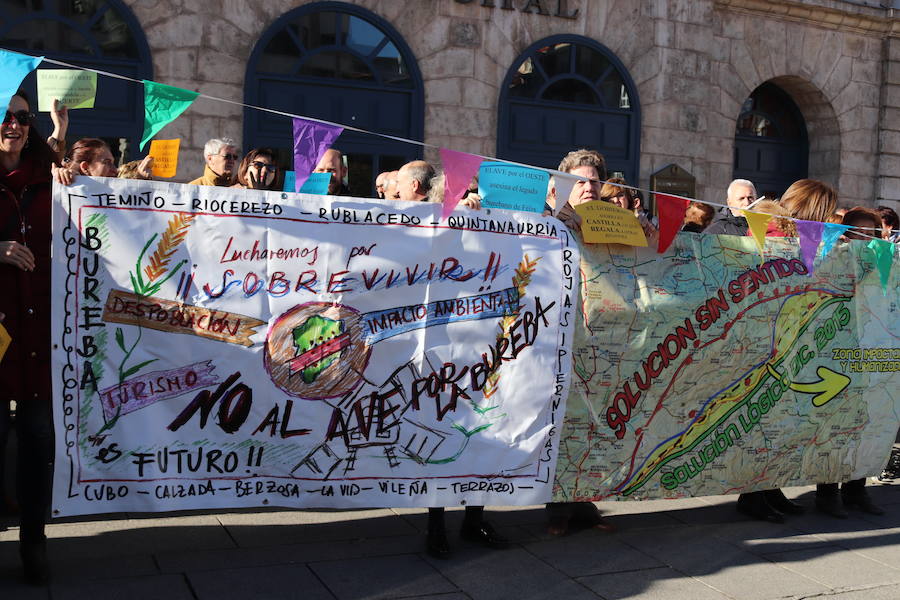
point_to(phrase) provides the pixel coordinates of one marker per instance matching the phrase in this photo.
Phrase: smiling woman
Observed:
(25, 160)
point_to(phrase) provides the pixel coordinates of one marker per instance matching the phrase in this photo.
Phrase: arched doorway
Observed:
(341, 63)
(567, 92)
(98, 34)
(771, 146)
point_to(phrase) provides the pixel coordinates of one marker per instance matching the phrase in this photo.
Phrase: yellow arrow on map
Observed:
(830, 384)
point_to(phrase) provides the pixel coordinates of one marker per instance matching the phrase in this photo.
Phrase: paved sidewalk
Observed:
(697, 549)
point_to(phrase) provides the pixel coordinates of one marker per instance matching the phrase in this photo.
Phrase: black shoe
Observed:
(780, 502)
(862, 501)
(436, 543)
(892, 468)
(483, 533)
(754, 505)
(34, 562)
(831, 505)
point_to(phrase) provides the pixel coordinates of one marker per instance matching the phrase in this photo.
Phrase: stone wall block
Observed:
(244, 15)
(447, 90)
(860, 163)
(731, 83)
(220, 67)
(465, 33)
(830, 54)
(813, 39)
(860, 140)
(664, 33)
(893, 72)
(854, 45)
(718, 147)
(149, 13)
(890, 142)
(446, 120)
(889, 192)
(692, 118)
(477, 94)
(743, 65)
(645, 67)
(226, 91)
(175, 32)
(892, 98)
(180, 63)
(488, 71)
(222, 36)
(893, 51)
(720, 49)
(432, 37)
(451, 62)
(839, 78)
(866, 71)
(890, 164)
(689, 36)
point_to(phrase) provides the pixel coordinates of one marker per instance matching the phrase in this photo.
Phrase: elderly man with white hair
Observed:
(731, 221)
(221, 157)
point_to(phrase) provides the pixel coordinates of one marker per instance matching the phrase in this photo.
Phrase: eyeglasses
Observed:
(24, 117)
(228, 156)
(266, 166)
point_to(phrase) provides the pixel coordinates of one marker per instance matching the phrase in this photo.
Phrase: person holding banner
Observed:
(258, 171)
(590, 167)
(624, 197)
(91, 156)
(220, 155)
(25, 188)
(730, 221)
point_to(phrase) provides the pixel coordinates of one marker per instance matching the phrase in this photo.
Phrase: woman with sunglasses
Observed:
(258, 170)
(25, 162)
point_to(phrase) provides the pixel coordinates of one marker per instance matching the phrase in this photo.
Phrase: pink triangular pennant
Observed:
(459, 168)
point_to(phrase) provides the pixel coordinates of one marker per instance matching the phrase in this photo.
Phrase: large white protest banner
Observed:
(220, 348)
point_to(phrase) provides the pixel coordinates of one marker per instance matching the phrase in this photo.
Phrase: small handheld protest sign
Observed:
(606, 223)
(512, 187)
(290, 181)
(5, 340)
(165, 157)
(72, 87)
(316, 184)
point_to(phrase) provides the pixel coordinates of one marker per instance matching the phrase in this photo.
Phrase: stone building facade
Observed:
(693, 63)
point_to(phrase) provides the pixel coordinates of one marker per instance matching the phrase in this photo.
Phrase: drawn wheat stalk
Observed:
(520, 281)
(157, 271)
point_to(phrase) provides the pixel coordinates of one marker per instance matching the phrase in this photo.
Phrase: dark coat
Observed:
(25, 296)
(726, 223)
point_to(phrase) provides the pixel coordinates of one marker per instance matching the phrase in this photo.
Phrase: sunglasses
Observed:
(265, 166)
(228, 156)
(24, 117)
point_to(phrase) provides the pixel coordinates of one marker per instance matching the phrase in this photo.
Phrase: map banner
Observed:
(218, 347)
(707, 371)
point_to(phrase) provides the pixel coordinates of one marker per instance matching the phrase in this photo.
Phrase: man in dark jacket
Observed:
(730, 221)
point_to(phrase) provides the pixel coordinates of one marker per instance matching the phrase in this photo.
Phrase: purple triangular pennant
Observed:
(810, 233)
(311, 140)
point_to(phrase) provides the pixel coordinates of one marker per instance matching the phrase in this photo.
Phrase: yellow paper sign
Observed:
(4, 341)
(606, 223)
(72, 87)
(165, 157)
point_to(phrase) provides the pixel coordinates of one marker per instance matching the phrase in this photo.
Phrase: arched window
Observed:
(770, 141)
(341, 63)
(568, 92)
(98, 34)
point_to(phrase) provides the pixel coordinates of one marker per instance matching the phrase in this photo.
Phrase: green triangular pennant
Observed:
(162, 105)
(884, 258)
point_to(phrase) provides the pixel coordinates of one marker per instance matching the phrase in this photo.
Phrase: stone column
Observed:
(888, 191)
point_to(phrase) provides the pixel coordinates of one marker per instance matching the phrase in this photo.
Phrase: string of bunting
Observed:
(312, 137)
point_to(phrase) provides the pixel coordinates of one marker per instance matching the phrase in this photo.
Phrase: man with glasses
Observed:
(221, 158)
